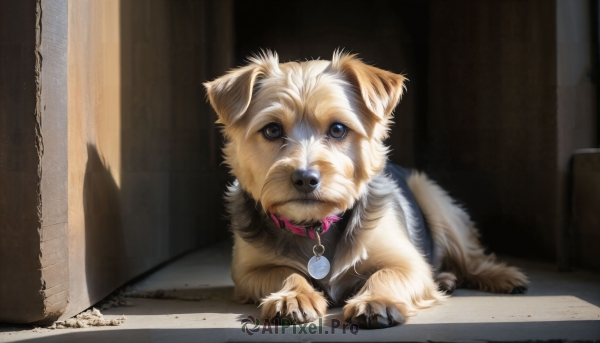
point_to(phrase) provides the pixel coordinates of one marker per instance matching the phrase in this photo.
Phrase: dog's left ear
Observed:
(380, 90)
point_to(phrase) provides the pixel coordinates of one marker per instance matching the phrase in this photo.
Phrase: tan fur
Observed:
(401, 280)
(296, 299)
(378, 272)
(282, 290)
(261, 278)
(255, 273)
(457, 237)
(305, 97)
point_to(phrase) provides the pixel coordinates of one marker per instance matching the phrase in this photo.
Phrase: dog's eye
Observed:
(272, 131)
(338, 131)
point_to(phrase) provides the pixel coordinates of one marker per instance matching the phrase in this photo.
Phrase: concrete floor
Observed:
(194, 307)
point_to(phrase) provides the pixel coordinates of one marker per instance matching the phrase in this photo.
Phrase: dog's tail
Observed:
(457, 249)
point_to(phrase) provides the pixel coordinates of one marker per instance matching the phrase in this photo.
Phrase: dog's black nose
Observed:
(306, 180)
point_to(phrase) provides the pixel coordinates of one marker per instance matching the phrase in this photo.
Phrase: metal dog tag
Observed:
(318, 267)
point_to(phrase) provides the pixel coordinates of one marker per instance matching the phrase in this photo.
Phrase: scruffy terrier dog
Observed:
(305, 142)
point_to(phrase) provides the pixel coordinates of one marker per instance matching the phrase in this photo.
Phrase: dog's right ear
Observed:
(230, 95)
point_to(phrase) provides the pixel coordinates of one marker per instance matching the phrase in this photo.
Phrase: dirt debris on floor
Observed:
(87, 319)
(94, 317)
(115, 300)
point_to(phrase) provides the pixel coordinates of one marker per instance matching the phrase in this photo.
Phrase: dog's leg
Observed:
(456, 239)
(281, 291)
(401, 284)
(486, 273)
(389, 296)
(297, 300)
(446, 282)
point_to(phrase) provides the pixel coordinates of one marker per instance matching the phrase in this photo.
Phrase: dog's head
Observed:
(304, 138)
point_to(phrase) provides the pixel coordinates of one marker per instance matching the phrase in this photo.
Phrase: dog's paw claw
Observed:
(375, 321)
(374, 313)
(448, 290)
(519, 290)
(446, 282)
(298, 307)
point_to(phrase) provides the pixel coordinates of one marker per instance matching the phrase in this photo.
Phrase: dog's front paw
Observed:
(301, 306)
(371, 312)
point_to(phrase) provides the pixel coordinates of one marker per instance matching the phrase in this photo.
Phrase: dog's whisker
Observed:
(292, 140)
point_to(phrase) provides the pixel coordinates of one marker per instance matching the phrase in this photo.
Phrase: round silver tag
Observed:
(318, 267)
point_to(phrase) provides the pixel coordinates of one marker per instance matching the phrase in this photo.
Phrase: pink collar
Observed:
(307, 231)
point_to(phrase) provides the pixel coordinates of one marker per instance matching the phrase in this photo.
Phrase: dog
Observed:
(305, 142)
